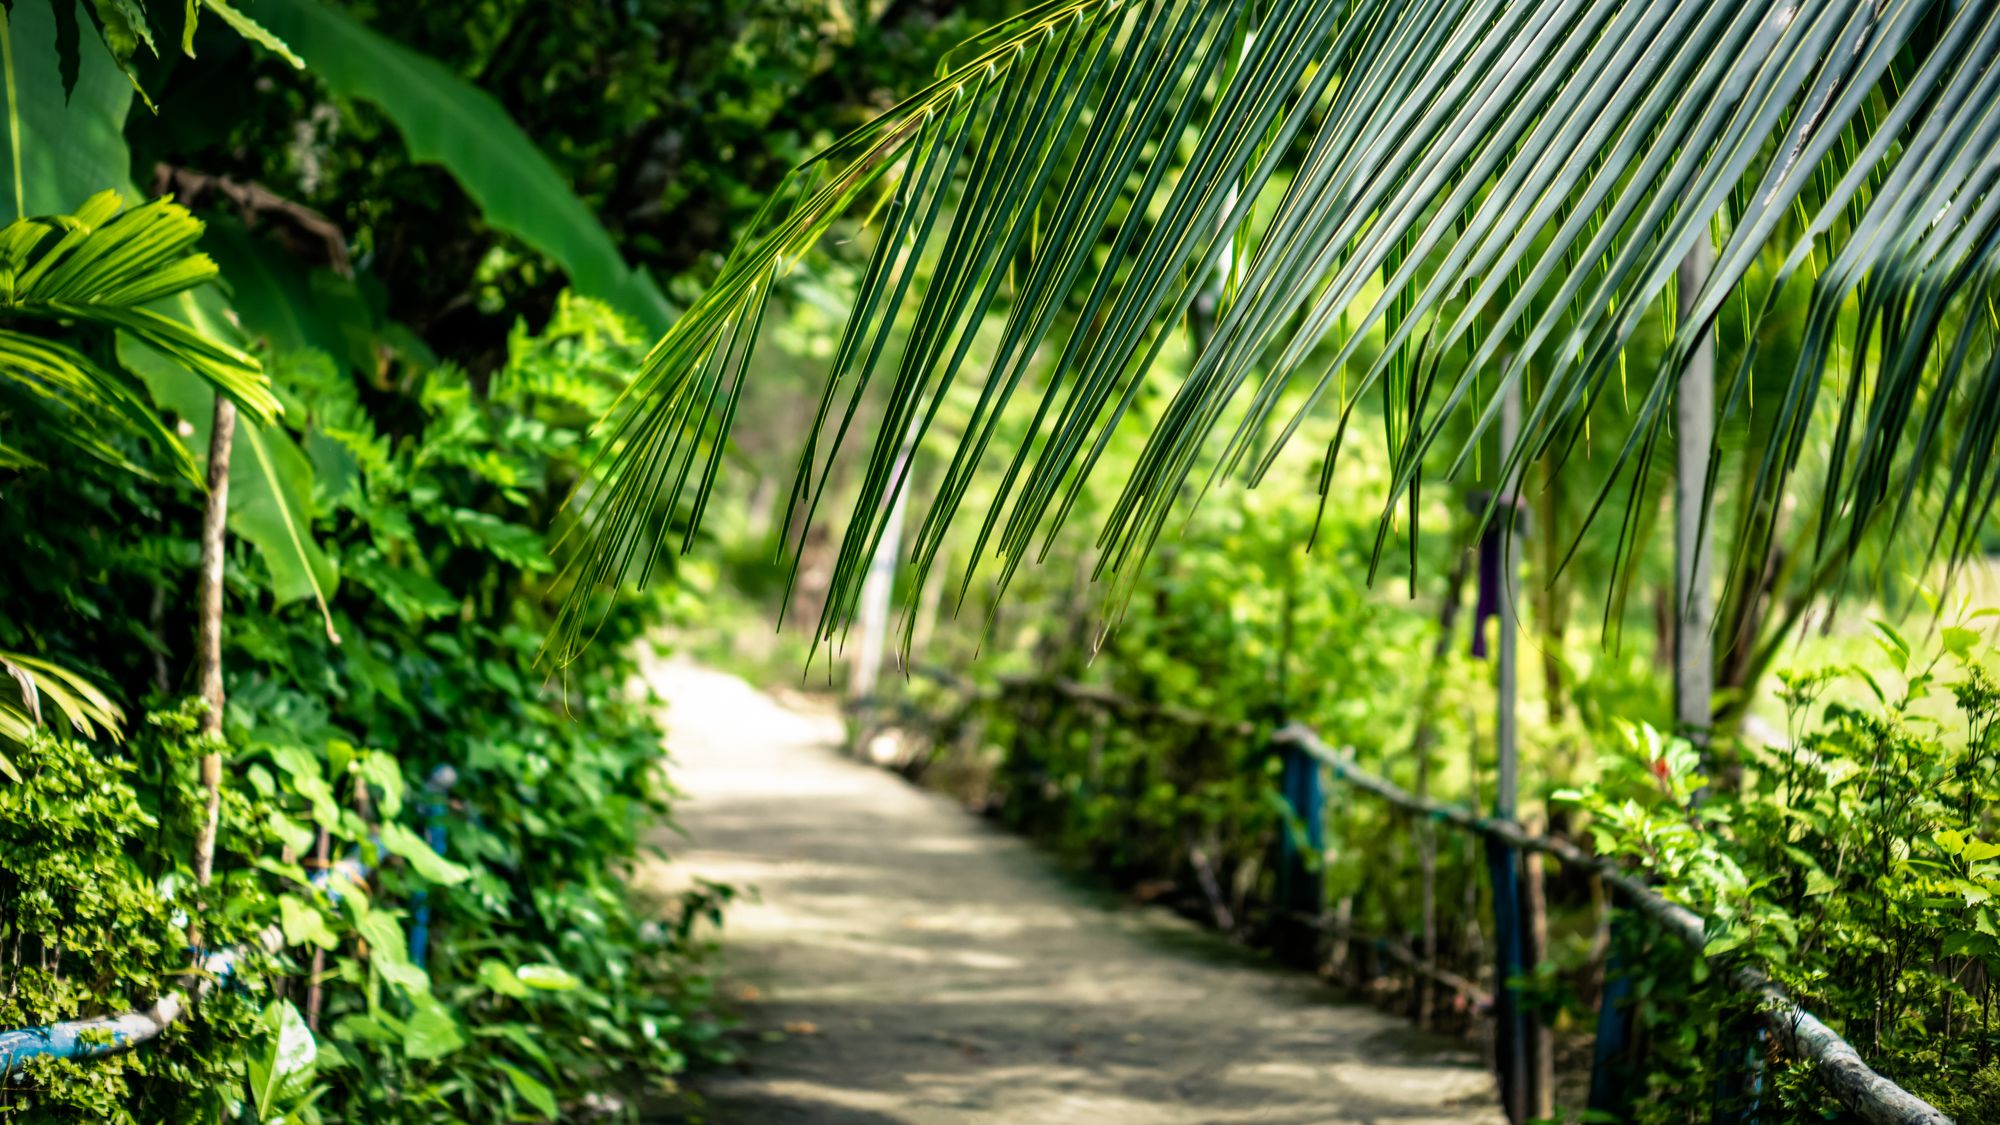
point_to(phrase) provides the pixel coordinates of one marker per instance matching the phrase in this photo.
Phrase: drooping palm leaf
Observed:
(64, 392)
(33, 692)
(1492, 194)
(103, 266)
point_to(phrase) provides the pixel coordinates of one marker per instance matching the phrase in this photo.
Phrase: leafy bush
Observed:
(1854, 859)
(93, 917)
(500, 805)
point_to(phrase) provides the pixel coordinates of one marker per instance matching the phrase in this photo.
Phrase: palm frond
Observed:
(105, 265)
(83, 403)
(42, 691)
(1487, 194)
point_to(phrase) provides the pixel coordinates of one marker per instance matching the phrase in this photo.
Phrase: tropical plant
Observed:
(1487, 196)
(495, 965)
(101, 267)
(1854, 858)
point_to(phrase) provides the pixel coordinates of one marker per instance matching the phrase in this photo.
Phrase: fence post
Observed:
(1301, 879)
(1501, 566)
(1510, 1037)
(1610, 1080)
(436, 787)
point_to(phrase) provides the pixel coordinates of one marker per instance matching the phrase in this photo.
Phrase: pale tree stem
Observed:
(208, 640)
(877, 588)
(1694, 432)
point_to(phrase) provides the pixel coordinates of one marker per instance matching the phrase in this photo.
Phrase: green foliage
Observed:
(447, 121)
(1234, 622)
(543, 985)
(1853, 860)
(554, 781)
(94, 904)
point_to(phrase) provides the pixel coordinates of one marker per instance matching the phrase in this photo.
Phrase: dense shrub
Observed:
(540, 984)
(1853, 858)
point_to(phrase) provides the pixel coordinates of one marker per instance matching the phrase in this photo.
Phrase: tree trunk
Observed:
(208, 639)
(1694, 432)
(877, 588)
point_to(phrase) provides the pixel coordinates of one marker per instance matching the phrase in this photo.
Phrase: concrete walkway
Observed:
(902, 961)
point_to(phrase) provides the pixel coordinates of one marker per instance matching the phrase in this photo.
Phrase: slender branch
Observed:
(208, 641)
(315, 995)
(255, 203)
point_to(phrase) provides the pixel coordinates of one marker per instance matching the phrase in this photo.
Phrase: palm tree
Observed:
(1493, 195)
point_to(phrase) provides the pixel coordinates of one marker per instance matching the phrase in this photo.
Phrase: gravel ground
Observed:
(899, 960)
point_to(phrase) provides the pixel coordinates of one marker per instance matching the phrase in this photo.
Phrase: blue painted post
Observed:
(435, 788)
(1739, 1081)
(1301, 886)
(1510, 1040)
(1610, 1078)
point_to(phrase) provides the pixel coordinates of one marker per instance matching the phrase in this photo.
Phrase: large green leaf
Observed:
(279, 300)
(282, 1071)
(58, 152)
(448, 121)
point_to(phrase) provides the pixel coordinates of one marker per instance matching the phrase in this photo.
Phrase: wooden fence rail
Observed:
(1797, 1032)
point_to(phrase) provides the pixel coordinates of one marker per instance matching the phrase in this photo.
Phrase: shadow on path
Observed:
(904, 962)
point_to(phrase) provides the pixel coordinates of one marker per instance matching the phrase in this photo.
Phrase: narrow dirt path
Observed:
(904, 962)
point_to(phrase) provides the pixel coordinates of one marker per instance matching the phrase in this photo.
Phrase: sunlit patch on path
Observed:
(903, 961)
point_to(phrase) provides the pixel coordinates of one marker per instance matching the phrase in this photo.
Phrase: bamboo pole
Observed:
(1694, 432)
(875, 592)
(1513, 1045)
